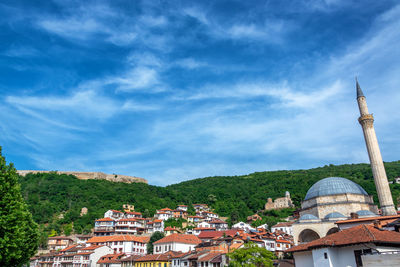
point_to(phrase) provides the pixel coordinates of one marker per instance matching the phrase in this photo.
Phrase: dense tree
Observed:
(154, 237)
(19, 237)
(50, 195)
(251, 255)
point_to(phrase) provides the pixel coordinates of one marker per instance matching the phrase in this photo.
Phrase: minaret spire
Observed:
(359, 91)
(378, 170)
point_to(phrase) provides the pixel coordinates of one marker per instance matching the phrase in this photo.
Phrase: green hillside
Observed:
(56, 200)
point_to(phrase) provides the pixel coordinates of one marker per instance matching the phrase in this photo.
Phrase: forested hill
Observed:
(56, 200)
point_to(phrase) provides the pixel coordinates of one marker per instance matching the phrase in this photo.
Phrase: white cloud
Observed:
(87, 104)
(190, 63)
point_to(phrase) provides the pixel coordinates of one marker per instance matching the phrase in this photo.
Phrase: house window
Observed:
(325, 255)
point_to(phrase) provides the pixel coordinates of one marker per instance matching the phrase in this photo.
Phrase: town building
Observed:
(279, 203)
(104, 227)
(176, 242)
(110, 260)
(58, 242)
(114, 214)
(327, 201)
(286, 227)
(128, 244)
(362, 245)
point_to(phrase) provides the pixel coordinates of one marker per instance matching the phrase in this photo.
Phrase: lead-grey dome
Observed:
(334, 215)
(365, 213)
(333, 186)
(308, 217)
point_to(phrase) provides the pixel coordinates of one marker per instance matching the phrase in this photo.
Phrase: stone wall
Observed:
(93, 175)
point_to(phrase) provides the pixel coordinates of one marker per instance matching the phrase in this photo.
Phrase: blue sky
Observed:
(175, 90)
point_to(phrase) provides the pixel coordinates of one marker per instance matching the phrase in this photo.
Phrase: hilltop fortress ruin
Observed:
(93, 175)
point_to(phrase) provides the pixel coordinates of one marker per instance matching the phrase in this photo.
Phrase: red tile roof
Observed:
(179, 238)
(117, 211)
(213, 234)
(111, 258)
(209, 257)
(112, 238)
(379, 218)
(352, 236)
(105, 220)
(283, 224)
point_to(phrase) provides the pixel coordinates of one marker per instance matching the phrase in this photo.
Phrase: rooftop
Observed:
(179, 238)
(352, 236)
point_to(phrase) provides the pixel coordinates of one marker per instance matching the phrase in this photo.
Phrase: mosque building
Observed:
(335, 198)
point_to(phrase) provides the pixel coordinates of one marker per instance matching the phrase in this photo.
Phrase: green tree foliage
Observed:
(174, 222)
(251, 255)
(154, 237)
(49, 195)
(18, 232)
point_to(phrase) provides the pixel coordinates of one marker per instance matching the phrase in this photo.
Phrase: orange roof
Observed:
(157, 220)
(68, 248)
(209, 256)
(111, 258)
(166, 209)
(117, 211)
(283, 241)
(85, 253)
(112, 238)
(179, 238)
(356, 235)
(195, 217)
(170, 229)
(105, 220)
(204, 228)
(92, 247)
(379, 218)
(283, 224)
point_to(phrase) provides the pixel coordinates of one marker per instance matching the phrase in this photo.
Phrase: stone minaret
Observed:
(378, 170)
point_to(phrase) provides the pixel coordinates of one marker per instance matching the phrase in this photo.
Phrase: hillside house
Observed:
(286, 227)
(58, 242)
(111, 260)
(128, 244)
(182, 208)
(114, 214)
(129, 227)
(218, 224)
(360, 245)
(104, 227)
(176, 242)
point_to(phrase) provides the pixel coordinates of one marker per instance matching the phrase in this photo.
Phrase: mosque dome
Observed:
(333, 186)
(334, 215)
(366, 213)
(306, 217)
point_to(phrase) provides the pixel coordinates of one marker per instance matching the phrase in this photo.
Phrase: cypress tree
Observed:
(18, 232)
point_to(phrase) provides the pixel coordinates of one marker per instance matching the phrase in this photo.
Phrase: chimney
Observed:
(354, 215)
(377, 224)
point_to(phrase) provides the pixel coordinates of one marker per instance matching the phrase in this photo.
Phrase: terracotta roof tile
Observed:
(351, 236)
(112, 238)
(111, 258)
(379, 218)
(105, 220)
(179, 238)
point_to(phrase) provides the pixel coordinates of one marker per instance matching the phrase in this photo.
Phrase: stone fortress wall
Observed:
(93, 175)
